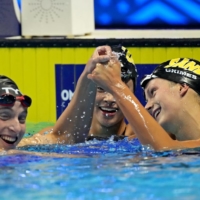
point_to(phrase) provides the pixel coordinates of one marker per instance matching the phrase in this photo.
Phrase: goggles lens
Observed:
(9, 100)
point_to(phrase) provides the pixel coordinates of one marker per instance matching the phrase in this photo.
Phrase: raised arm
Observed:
(148, 131)
(74, 123)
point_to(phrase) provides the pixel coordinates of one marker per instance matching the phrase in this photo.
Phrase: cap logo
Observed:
(181, 72)
(128, 55)
(16, 91)
(185, 64)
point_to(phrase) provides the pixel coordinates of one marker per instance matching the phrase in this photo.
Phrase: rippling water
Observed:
(100, 170)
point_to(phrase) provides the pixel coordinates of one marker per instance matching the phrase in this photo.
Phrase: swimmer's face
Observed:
(106, 109)
(163, 102)
(12, 125)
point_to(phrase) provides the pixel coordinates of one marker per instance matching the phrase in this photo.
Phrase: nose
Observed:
(15, 125)
(109, 98)
(149, 105)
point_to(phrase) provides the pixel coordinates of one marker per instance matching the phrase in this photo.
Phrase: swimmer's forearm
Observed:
(43, 137)
(148, 131)
(186, 144)
(75, 121)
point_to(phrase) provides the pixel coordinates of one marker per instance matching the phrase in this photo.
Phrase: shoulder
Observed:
(129, 132)
(38, 138)
(46, 130)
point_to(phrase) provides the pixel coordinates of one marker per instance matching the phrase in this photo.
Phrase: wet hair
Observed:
(128, 68)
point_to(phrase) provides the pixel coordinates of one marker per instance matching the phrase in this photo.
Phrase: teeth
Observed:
(11, 139)
(156, 113)
(109, 109)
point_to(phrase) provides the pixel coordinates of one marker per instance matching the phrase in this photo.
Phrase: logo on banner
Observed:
(66, 95)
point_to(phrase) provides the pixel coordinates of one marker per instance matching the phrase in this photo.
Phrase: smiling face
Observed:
(12, 125)
(106, 111)
(163, 103)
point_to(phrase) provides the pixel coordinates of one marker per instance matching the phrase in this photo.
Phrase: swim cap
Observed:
(179, 70)
(8, 86)
(128, 68)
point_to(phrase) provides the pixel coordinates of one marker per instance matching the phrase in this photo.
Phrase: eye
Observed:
(22, 119)
(152, 91)
(4, 116)
(99, 89)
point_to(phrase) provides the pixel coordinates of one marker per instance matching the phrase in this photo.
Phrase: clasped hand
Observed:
(105, 69)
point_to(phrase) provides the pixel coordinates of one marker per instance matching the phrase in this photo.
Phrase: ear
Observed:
(183, 89)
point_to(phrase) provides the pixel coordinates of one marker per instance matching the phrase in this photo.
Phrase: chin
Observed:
(107, 125)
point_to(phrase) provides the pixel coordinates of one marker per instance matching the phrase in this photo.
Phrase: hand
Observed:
(107, 74)
(101, 54)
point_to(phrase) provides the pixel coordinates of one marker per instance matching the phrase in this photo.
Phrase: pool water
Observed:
(100, 170)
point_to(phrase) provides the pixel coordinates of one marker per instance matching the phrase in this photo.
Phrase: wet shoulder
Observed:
(129, 132)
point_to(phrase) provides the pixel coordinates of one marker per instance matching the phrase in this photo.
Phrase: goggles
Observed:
(146, 79)
(9, 100)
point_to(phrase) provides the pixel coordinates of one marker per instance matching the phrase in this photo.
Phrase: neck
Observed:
(189, 128)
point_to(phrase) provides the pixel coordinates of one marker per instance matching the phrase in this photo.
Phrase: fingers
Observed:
(105, 68)
(104, 50)
(100, 59)
(99, 68)
(102, 54)
(93, 76)
(90, 76)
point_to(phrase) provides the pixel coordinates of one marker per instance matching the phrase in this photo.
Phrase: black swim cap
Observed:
(179, 70)
(128, 68)
(8, 86)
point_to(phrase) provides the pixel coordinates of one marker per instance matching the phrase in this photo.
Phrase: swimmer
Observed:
(108, 120)
(172, 94)
(13, 113)
(171, 117)
(97, 113)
